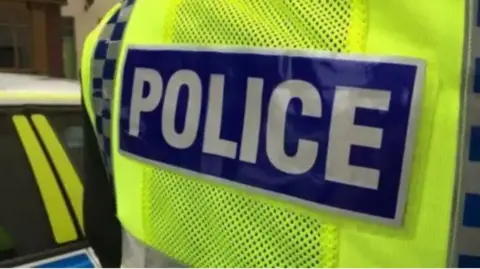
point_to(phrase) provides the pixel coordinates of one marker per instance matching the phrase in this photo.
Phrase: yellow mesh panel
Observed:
(207, 225)
(332, 25)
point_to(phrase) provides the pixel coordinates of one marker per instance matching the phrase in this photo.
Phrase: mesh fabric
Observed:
(208, 225)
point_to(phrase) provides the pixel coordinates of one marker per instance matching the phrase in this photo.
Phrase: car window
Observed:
(24, 224)
(69, 130)
(37, 213)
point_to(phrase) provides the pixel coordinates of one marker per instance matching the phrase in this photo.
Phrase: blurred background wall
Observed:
(46, 36)
(79, 18)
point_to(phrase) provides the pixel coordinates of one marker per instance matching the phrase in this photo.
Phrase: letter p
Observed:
(141, 103)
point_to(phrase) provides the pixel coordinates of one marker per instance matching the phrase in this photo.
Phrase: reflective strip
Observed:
(465, 244)
(97, 68)
(106, 127)
(67, 173)
(55, 206)
(98, 105)
(125, 13)
(136, 254)
(107, 91)
(103, 70)
(112, 53)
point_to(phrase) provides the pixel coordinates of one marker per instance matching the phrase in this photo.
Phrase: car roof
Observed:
(22, 89)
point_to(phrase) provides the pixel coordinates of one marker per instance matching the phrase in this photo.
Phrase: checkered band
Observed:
(103, 71)
(466, 250)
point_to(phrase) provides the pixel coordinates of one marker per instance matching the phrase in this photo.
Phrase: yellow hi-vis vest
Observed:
(261, 133)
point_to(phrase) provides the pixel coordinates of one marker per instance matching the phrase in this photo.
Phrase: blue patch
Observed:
(478, 15)
(101, 50)
(476, 81)
(109, 69)
(471, 210)
(466, 261)
(474, 147)
(75, 261)
(326, 123)
(118, 31)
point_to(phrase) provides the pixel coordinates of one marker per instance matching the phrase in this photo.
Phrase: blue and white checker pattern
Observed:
(104, 67)
(466, 248)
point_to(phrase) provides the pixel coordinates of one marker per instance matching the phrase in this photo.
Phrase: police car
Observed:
(41, 167)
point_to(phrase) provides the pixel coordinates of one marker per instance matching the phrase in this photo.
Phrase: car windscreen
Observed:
(40, 186)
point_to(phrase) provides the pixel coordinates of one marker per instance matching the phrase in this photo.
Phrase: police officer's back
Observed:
(247, 134)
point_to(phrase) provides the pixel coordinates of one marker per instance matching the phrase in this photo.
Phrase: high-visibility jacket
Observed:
(380, 93)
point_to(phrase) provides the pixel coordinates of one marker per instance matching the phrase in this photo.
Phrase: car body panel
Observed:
(41, 166)
(19, 89)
